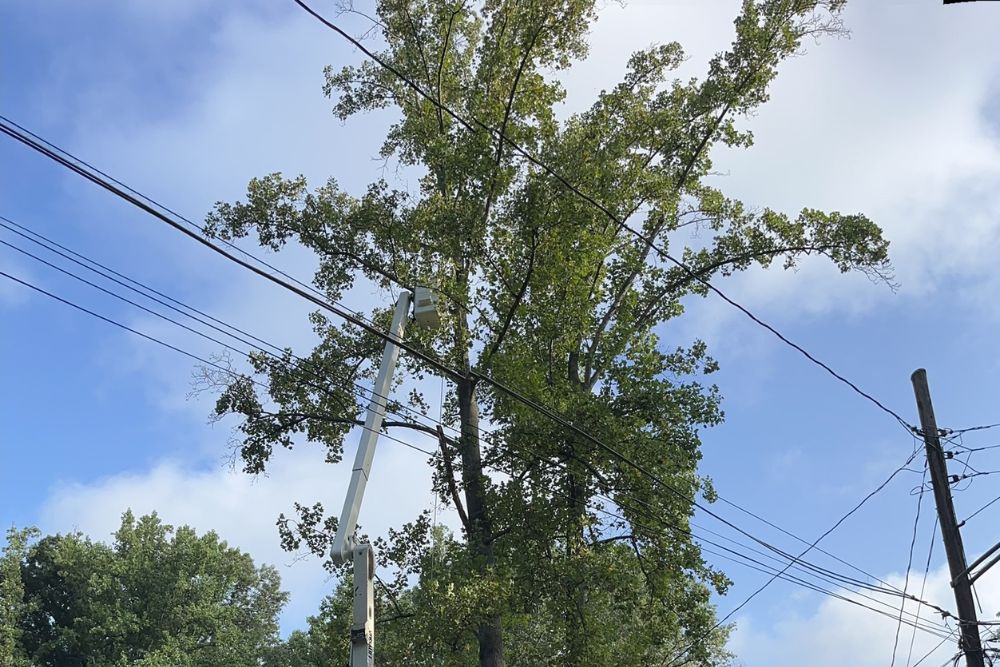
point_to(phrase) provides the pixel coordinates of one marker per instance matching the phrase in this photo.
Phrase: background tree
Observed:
(12, 602)
(548, 293)
(156, 597)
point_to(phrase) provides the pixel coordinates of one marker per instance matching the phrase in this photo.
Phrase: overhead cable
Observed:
(118, 278)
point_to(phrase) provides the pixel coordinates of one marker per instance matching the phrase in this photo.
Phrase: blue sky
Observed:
(186, 101)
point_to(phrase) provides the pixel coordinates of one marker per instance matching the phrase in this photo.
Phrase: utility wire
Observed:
(649, 512)
(933, 650)
(923, 584)
(958, 431)
(971, 516)
(165, 344)
(802, 564)
(909, 564)
(803, 541)
(805, 568)
(761, 566)
(923, 627)
(979, 449)
(226, 370)
(823, 572)
(167, 301)
(15, 127)
(618, 502)
(199, 333)
(782, 574)
(356, 320)
(756, 592)
(170, 320)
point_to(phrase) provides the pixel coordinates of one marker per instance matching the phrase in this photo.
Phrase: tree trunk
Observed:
(577, 483)
(490, 632)
(576, 589)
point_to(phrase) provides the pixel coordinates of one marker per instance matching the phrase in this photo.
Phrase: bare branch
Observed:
(613, 538)
(450, 474)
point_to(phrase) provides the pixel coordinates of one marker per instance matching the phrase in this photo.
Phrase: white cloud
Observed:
(882, 123)
(255, 106)
(243, 510)
(835, 633)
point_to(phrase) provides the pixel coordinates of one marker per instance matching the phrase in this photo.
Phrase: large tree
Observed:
(156, 597)
(545, 292)
(426, 625)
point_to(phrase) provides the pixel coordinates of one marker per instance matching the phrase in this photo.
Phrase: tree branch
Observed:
(612, 311)
(450, 474)
(440, 67)
(299, 417)
(613, 538)
(695, 275)
(518, 298)
(502, 133)
(419, 44)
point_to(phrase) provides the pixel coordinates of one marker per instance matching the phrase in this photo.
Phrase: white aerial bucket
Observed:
(425, 308)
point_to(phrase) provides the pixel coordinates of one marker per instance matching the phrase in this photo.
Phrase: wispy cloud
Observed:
(243, 509)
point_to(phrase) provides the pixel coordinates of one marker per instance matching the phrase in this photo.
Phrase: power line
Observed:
(915, 625)
(205, 361)
(162, 343)
(361, 323)
(979, 449)
(782, 574)
(759, 565)
(224, 369)
(952, 660)
(923, 584)
(909, 564)
(800, 563)
(172, 321)
(804, 566)
(163, 299)
(118, 278)
(106, 270)
(970, 517)
(769, 581)
(958, 431)
(803, 541)
(53, 147)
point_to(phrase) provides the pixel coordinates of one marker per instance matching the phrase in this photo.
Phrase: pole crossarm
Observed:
(976, 562)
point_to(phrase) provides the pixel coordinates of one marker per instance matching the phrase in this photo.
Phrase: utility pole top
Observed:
(970, 644)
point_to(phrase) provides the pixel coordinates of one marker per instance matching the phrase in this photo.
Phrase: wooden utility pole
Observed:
(970, 642)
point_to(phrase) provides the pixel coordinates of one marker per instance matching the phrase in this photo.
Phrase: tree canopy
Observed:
(545, 289)
(155, 597)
